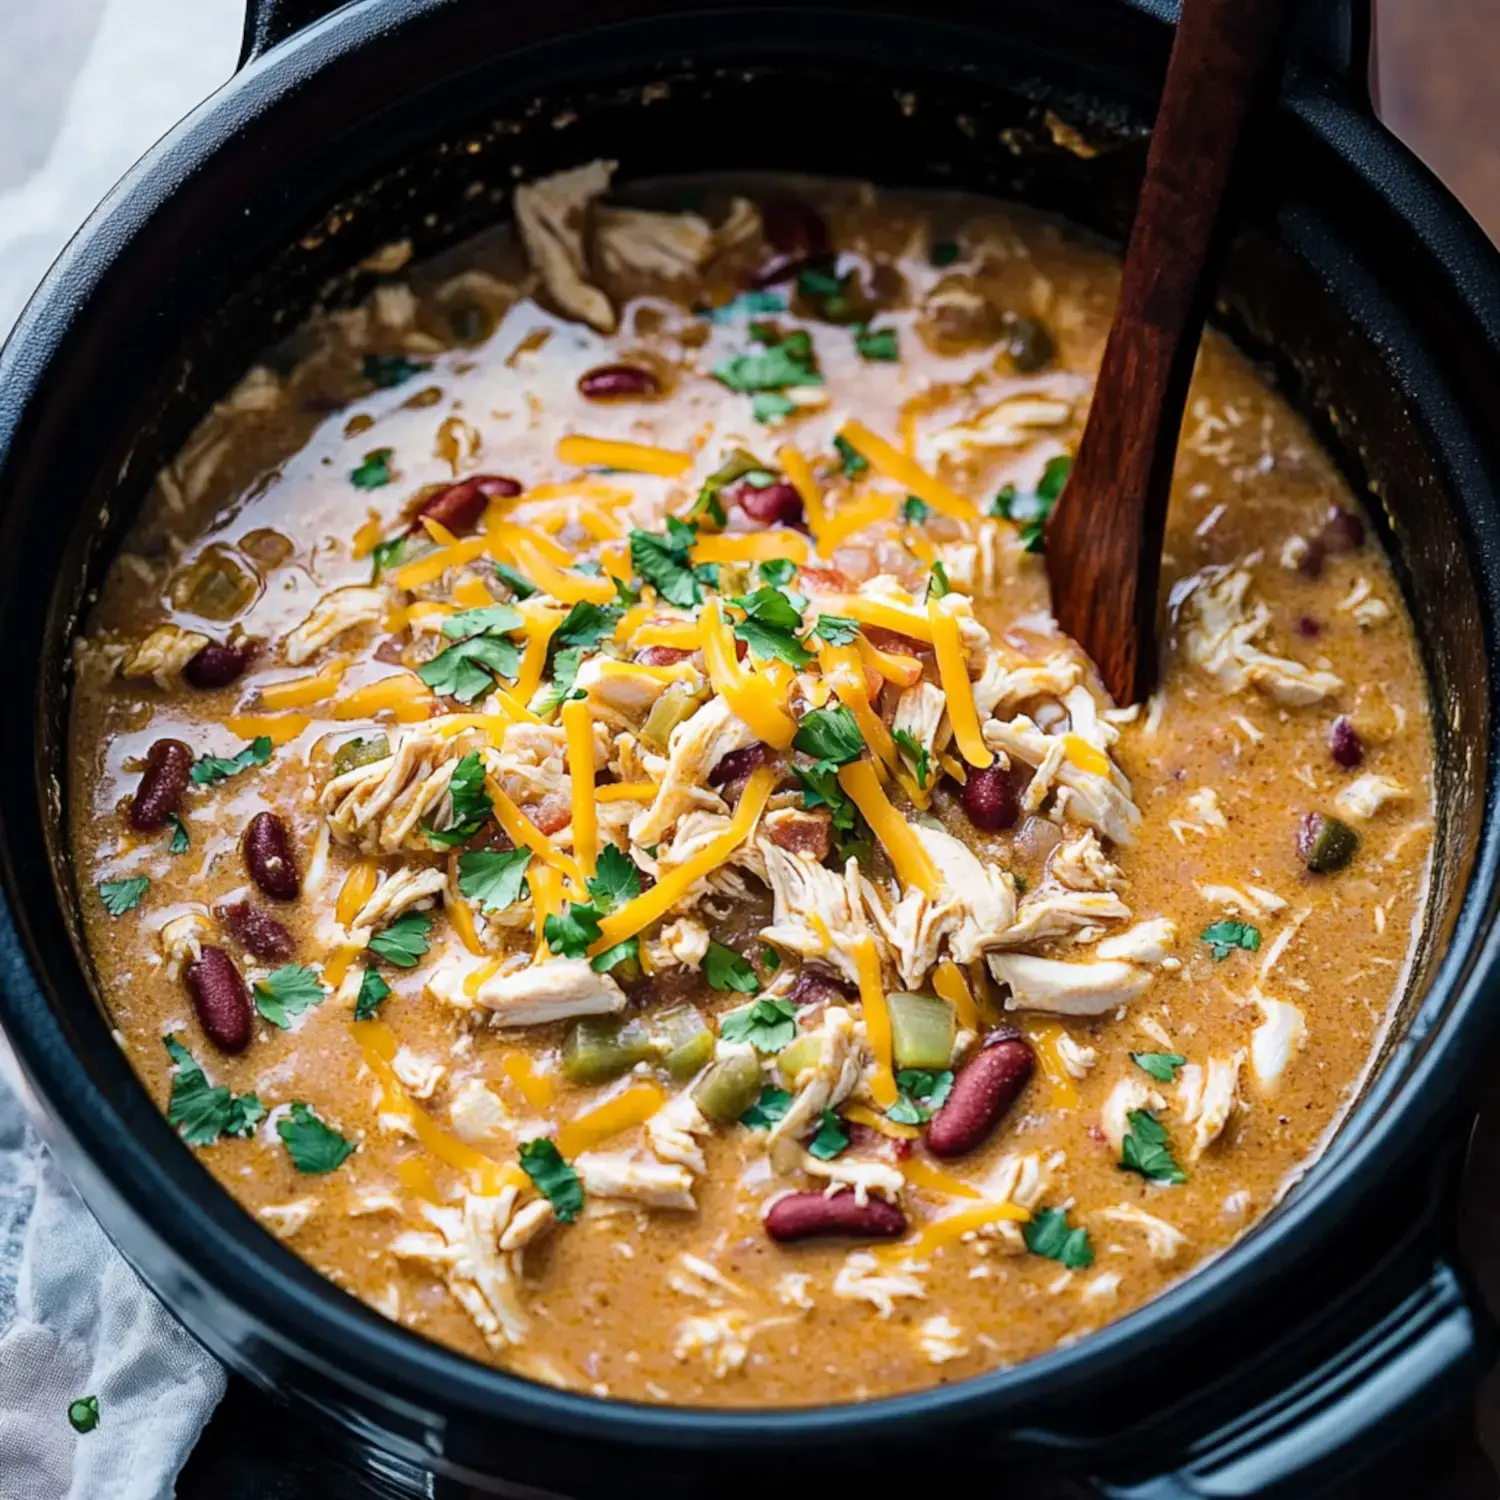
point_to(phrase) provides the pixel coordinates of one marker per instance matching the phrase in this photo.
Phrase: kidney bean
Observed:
(796, 233)
(215, 666)
(268, 857)
(815, 986)
(459, 506)
(984, 1090)
(617, 382)
(221, 1000)
(256, 931)
(1345, 745)
(1310, 564)
(661, 656)
(806, 1216)
(739, 763)
(1343, 531)
(163, 782)
(1308, 628)
(776, 504)
(989, 798)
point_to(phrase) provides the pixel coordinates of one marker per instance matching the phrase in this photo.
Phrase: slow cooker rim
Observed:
(344, 1326)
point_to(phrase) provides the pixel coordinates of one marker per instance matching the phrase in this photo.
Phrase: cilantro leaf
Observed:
(768, 1109)
(1162, 1066)
(778, 572)
(552, 694)
(771, 407)
(943, 253)
(1224, 937)
(1031, 511)
(208, 769)
(727, 970)
(586, 624)
(372, 990)
(287, 992)
(518, 583)
(915, 510)
(663, 562)
(202, 1112)
(121, 896)
(877, 344)
(770, 957)
(404, 941)
(837, 630)
(1049, 487)
(180, 840)
(1048, 1234)
(469, 801)
(621, 953)
(773, 369)
(770, 607)
(771, 644)
(746, 304)
(553, 1178)
(915, 752)
(491, 619)
(459, 672)
(386, 555)
(820, 788)
(768, 1025)
(738, 465)
(854, 462)
(386, 370)
(83, 1414)
(922, 1093)
(832, 1138)
(616, 880)
(493, 878)
(570, 934)
(1145, 1149)
(374, 471)
(830, 734)
(314, 1146)
(938, 586)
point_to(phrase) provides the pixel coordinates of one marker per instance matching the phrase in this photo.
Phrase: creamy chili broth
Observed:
(602, 1132)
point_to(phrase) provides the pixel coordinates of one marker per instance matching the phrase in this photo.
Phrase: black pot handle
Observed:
(1375, 1391)
(270, 21)
(1335, 39)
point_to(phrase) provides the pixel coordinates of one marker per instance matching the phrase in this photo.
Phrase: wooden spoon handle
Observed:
(1104, 537)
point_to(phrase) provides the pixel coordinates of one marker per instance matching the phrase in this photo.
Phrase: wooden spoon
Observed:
(1104, 537)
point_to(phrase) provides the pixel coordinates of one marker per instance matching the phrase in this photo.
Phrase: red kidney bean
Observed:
(1310, 564)
(989, 798)
(776, 504)
(1345, 745)
(661, 656)
(256, 931)
(163, 782)
(617, 383)
(816, 986)
(459, 506)
(221, 1000)
(268, 857)
(984, 1090)
(806, 1216)
(865, 1140)
(1343, 531)
(215, 666)
(796, 234)
(738, 764)
(1308, 628)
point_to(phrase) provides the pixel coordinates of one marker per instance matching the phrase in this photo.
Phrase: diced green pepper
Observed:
(922, 1030)
(1325, 844)
(360, 752)
(730, 1087)
(800, 1055)
(685, 1041)
(598, 1050)
(676, 704)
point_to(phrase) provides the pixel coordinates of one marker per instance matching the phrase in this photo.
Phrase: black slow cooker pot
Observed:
(1328, 1331)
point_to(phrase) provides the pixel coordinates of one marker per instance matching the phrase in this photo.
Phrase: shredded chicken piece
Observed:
(554, 990)
(1145, 943)
(286, 1219)
(334, 613)
(1054, 911)
(1010, 423)
(697, 745)
(1081, 865)
(1067, 989)
(863, 1279)
(860, 1175)
(553, 217)
(668, 245)
(163, 654)
(1020, 1178)
(1104, 802)
(398, 893)
(1076, 1059)
(941, 1339)
(1128, 1095)
(920, 712)
(1276, 1040)
(182, 941)
(639, 1179)
(673, 1133)
(721, 1338)
(1207, 1098)
(1220, 630)
(421, 1075)
(478, 1114)
(801, 889)
(1005, 685)
(682, 944)
(1367, 794)
(829, 1081)
(1165, 1241)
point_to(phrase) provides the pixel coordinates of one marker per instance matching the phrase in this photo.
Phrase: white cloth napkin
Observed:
(75, 1320)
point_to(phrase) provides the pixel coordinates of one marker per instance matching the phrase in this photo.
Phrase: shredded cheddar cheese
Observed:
(921, 1173)
(546, 900)
(1044, 1037)
(299, 692)
(472, 593)
(477, 977)
(634, 458)
(951, 1228)
(336, 966)
(799, 472)
(367, 537)
(461, 915)
(953, 671)
(432, 567)
(1085, 756)
(359, 885)
(862, 1114)
(912, 862)
(855, 515)
(948, 981)
(579, 728)
(751, 546)
(626, 791)
(403, 695)
(752, 696)
(907, 473)
(278, 728)
(633, 1106)
(540, 625)
(526, 835)
(534, 1086)
(884, 614)
(904, 671)
(877, 1019)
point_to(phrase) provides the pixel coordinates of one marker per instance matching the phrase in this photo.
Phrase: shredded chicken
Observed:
(1145, 943)
(478, 1114)
(395, 894)
(163, 654)
(720, 1338)
(1081, 865)
(668, 245)
(1367, 794)
(636, 1178)
(862, 1278)
(1102, 801)
(182, 941)
(1165, 1241)
(941, 1340)
(553, 217)
(803, 889)
(1207, 1098)
(1128, 1095)
(1276, 1040)
(673, 1133)
(859, 1175)
(682, 944)
(697, 745)
(1067, 989)
(555, 990)
(334, 613)
(286, 1219)
(921, 712)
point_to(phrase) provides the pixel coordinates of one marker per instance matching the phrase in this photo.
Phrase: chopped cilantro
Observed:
(586, 624)
(314, 1146)
(287, 992)
(616, 880)
(854, 462)
(208, 769)
(493, 878)
(739, 465)
(769, 626)
(1162, 1066)
(830, 734)
(386, 370)
(121, 896)
(570, 934)
(771, 407)
(1145, 1149)
(625, 596)
(469, 803)
(747, 304)
(771, 607)
(767, 1024)
(837, 630)
(492, 619)
(915, 752)
(878, 344)
(770, 957)
(1048, 1234)
(727, 970)
(820, 788)
(915, 510)
(832, 1138)
(621, 953)
(1049, 487)
(943, 253)
(923, 1092)
(374, 471)
(552, 694)
(663, 561)
(404, 941)
(938, 586)
(1031, 511)
(202, 1112)
(180, 840)
(372, 990)
(518, 583)
(83, 1414)
(1224, 937)
(553, 1178)
(459, 672)
(387, 554)
(773, 369)
(768, 1109)
(778, 572)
